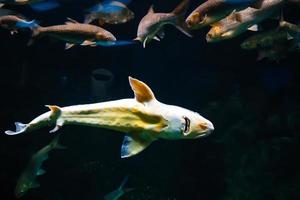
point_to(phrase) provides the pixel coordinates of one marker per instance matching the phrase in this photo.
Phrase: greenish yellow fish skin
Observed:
(239, 22)
(27, 179)
(144, 119)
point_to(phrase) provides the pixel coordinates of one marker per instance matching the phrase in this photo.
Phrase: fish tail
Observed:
(27, 24)
(55, 143)
(179, 12)
(20, 128)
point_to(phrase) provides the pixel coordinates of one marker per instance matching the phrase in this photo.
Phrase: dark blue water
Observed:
(252, 154)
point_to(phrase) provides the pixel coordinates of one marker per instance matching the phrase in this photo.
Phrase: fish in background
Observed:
(13, 23)
(27, 179)
(239, 22)
(120, 191)
(212, 11)
(151, 26)
(37, 5)
(292, 29)
(266, 39)
(274, 44)
(143, 118)
(110, 12)
(75, 33)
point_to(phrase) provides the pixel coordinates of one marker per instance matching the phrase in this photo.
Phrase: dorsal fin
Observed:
(70, 20)
(141, 91)
(151, 10)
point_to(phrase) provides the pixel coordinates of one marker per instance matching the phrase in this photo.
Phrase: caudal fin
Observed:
(180, 11)
(27, 24)
(20, 128)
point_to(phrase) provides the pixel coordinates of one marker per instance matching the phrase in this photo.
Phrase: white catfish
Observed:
(143, 118)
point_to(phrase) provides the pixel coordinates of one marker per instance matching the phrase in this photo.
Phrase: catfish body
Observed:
(143, 119)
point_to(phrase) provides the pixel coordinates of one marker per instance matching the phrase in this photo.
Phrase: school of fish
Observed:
(143, 118)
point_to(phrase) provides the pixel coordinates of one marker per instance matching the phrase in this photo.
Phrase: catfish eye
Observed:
(186, 125)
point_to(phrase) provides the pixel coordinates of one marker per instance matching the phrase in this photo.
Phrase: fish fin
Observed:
(156, 38)
(133, 145)
(69, 46)
(88, 43)
(72, 20)
(161, 34)
(181, 8)
(125, 180)
(27, 24)
(89, 18)
(54, 115)
(44, 6)
(234, 16)
(253, 28)
(141, 91)
(55, 143)
(20, 128)
(55, 110)
(35, 33)
(257, 4)
(40, 172)
(145, 42)
(1, 5)
(151, 10)
(59, 124)
(180, 11)
(289, 37)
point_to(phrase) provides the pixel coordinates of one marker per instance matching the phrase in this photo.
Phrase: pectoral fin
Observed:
(88, 43)
(133, 145)
(253, 28)
(69, 45)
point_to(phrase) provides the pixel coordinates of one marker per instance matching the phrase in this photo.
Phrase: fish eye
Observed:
(186, 125)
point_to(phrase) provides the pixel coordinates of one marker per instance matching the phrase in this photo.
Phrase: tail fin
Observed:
(27, 24)
(20, 128)
(123, 183)
(180, 11)
(55, 143)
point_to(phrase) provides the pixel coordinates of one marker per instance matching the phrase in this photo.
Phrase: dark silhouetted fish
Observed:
(27, 179)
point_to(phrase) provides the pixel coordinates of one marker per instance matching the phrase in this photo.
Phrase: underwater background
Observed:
(253, 152)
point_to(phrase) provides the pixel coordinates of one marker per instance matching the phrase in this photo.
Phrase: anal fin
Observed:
(133, 144)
